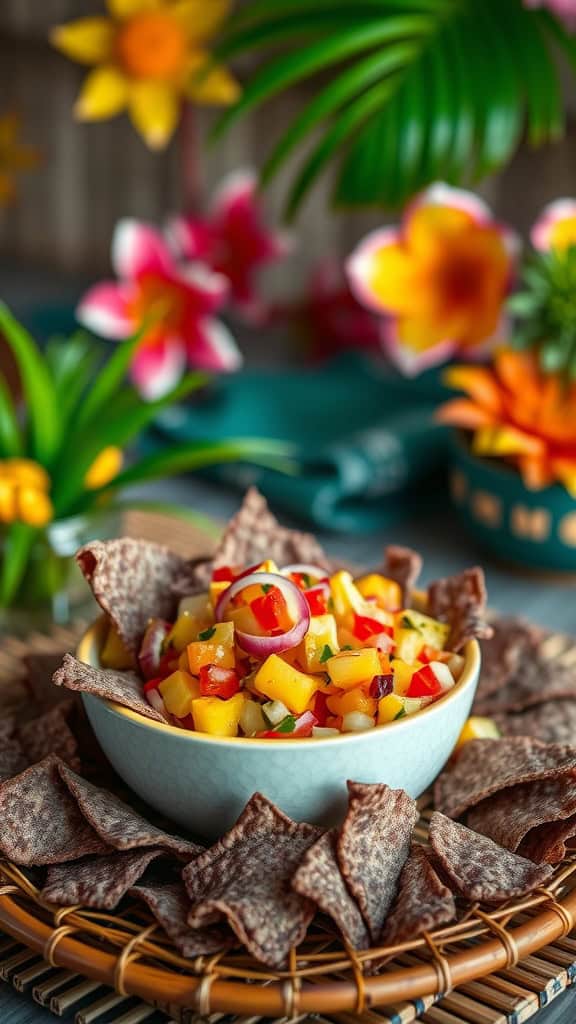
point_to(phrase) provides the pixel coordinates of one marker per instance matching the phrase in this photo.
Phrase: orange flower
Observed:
(14, 156)
(440, 280)
(517, 412)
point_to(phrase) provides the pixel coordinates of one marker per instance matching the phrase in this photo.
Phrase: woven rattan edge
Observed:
(271, 1000)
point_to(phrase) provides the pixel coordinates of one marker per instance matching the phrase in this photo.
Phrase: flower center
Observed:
(157, 299)
(152, 45)
(459, 281)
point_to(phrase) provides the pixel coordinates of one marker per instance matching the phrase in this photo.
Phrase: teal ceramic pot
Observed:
(536, 529)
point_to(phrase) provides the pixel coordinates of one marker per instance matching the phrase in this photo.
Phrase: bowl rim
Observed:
(94, 635)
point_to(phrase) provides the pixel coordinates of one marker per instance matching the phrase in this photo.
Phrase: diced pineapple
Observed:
(352, 700)
(349, 668)
(178, 691)
(277, 680)
(183, 632)
(414, 630)
(198, 607)
(345, 595)
(478, 728)
(390, 708)
(320, 642)
(114, 653)
(347, 639)
(217, 587)
(218, 717)
(387, 592)
(216, 649)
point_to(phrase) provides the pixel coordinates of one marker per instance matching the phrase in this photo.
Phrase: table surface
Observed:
(445, 548)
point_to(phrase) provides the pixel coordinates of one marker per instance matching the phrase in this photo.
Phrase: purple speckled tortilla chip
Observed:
(170, 905)
(422, 904)
(461, 601)
(123, 688)
(318, 878)
(554, 722)
(508, 817)
(50, 734)
(119, 825)
(245, 878)
(483, 767)
(373, 845)
(132, 581)
(403, 565)
(41, 822)
(12, 757)
(97, 882)
(479, 869)
(513, 639)
(547, 842)
(537, 680)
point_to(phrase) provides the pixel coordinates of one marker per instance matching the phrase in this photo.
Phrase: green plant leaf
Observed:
(43, 416)
(110, 378)
(16, 545)
(11, 440)
(72, 363)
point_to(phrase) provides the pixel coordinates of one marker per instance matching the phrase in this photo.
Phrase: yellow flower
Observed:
(24, 498)
(105, 467)
(14, 156)
(148, 56)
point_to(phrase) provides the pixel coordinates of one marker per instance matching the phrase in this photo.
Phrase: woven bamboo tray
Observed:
(128, 952)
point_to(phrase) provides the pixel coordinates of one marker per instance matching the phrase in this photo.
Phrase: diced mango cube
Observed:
(347, 639)
(478, 728)
(320, 642)
(390, 708)
(403, 675)
(278, 680)
(178, 691)
(387, 592)
(114, 653)
(218, 717)
(217, 587)
(353, 700)
(217, 648)
(197, 605)
(183, 632)
(349, 668)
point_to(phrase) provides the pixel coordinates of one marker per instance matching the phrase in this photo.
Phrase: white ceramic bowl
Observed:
(202, 782)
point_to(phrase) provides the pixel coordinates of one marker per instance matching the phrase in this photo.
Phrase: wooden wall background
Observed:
(93, 174)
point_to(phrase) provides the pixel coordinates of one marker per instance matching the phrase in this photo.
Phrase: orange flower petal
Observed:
(501, 441)
(565, 470)
(461, 412)
(478, 382)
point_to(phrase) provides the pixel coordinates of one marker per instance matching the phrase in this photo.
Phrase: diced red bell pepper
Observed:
(424, 684)
(428, 653)
(316, 600)
(271, 612)
(248, 571)
(224, 574)
(365, 627)
(320, 707)
(218, 682)
(153, 684)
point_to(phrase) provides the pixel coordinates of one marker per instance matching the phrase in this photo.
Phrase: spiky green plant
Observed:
(407, 91)
(544, 308)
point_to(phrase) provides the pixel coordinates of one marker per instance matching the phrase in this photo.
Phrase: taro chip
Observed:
(553, 722)
(41, 822)
(511, 816)
(124, 688)
(118, 824)
(170, 905)
(477, 868)
(461, 602)
(404, 566)
(245, 877)
(12, 757)
(50, 734)
(502, 654)
(423, 902)
(484, 767)
(538, 680)
(97, 882)
(132, 582)
(547, 842)
(319, 879)
(373, 845)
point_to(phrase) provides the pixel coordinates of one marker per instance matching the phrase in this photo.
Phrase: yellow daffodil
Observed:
(147, 56)
(14, 156)
(24, 497)
(105, 467)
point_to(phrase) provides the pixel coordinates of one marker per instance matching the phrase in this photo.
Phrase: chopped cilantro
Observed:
(401, 714)
(347, 647)
(326, 653)
(306, 580)
(287, 724)
(330, 604)
(406, 623)
(266, 587)
(207, 634)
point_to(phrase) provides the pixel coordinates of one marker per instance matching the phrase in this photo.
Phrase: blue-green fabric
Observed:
(365, 437)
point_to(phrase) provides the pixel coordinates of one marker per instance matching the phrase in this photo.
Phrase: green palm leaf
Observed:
(11, 440)
(461, 80)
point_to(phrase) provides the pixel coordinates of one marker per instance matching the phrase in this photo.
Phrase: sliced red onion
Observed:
(155, 701)
(304, 567)
(262, 646)
(151, 649)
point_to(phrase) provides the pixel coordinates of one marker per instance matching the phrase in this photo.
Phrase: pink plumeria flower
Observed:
(233, 240)
(180, 299)
(565, 10)
(439, 281)
(555, 228)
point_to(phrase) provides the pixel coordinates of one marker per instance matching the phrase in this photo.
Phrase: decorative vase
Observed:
(52, 589)
(535, 529)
